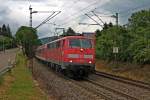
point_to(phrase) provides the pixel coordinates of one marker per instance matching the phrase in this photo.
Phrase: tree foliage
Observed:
(70, 32)
(133, 41)
(6, 39)
(28, 39)
(9, 34)
(5, 31)
(6, 43)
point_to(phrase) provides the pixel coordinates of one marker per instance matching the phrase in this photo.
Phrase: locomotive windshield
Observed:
(80, 43)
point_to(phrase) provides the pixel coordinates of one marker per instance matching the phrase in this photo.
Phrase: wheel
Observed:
(70, 74)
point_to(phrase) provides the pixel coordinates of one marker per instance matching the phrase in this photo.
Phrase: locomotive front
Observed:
(79, 57)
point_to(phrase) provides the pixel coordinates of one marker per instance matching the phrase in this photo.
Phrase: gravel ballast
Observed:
(58, 87)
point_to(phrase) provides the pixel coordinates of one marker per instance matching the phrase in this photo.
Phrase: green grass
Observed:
(23, 87)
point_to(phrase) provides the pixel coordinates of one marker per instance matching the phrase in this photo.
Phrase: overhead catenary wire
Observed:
(49, 18)
(77, 13)
(98, 17)
(94, 20)
(45, 20)
(82, 15)
(66, 22)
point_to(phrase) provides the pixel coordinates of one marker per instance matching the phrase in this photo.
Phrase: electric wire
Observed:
(49, 18)
(78, 14)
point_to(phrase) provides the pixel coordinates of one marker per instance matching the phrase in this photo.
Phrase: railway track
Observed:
(124, 96)
(103, 91)
(124, 80)
(95, 92)
(98, 89)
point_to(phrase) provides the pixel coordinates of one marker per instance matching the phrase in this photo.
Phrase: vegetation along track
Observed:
(124, 80)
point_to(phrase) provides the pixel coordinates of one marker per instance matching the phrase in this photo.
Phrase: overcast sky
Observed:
(16, 13)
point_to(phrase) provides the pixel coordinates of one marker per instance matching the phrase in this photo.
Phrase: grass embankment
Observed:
(19, 84)
(132, 71)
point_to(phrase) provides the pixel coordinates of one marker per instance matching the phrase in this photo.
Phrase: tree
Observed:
(110, 24)
(139, 28)
(98, 33)
(0, 31)
(4, 30)
(133, 41)
(9, 34)
(70, 32)
(112, 37)
(28, 39)
(105, 26)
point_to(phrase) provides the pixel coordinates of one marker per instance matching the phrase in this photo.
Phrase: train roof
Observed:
(67, 37)
(61, 38)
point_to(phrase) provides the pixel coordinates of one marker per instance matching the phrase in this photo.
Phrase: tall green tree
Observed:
(9, 34)
(4, 30)
(139, 28)
(28, 39)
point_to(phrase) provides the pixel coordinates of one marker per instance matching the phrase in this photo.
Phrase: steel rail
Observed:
(112, 90)
(124, 80)
(98, 93)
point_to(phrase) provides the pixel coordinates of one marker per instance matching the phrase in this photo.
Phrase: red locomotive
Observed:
(73, 55)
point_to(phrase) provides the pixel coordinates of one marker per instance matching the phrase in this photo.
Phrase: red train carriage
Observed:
(74, 55)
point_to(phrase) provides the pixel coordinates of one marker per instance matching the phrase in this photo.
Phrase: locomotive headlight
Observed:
(70, 61)
(90, 62)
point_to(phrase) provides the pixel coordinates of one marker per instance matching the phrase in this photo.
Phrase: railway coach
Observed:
(72, 55)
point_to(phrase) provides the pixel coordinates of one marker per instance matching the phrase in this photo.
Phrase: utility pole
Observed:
(30, 8)
(117, 19)
(115, 47)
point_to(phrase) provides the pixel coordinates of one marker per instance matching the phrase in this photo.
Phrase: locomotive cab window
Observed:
(85, 43)
(74, 43)
(80, 43)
